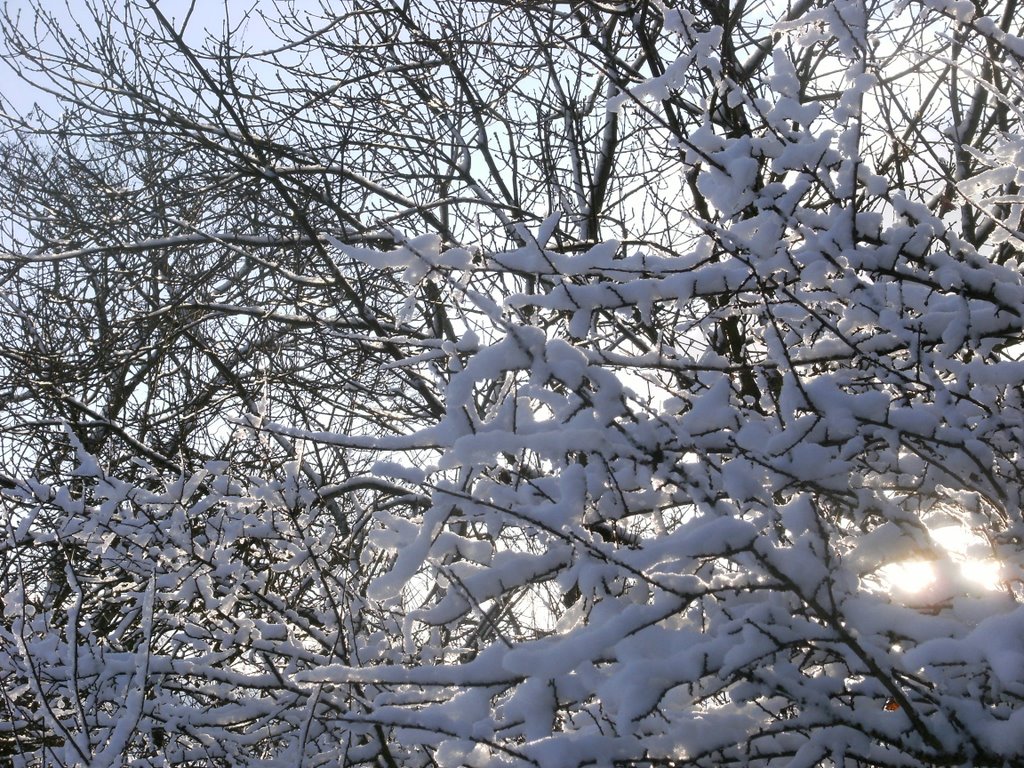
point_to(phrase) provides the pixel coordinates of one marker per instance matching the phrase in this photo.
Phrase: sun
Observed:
(957, 564)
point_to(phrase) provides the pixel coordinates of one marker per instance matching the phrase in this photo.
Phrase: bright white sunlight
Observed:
(961, 564)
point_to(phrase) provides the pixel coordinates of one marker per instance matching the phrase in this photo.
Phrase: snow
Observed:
(652, 497)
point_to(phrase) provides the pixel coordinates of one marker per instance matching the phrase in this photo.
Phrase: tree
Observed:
(515, 384)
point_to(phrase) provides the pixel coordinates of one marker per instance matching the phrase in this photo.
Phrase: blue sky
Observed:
(69, 13)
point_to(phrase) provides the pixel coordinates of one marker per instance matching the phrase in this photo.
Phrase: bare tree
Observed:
(533, 384)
